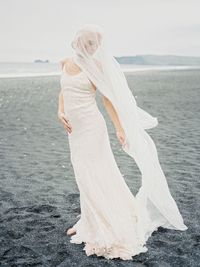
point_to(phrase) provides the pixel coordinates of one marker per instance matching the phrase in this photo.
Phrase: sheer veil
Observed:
(155, 204)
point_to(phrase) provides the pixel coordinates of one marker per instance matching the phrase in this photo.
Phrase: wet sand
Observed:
(38, 192)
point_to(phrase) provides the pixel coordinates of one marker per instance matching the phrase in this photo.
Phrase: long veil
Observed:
(155, 204)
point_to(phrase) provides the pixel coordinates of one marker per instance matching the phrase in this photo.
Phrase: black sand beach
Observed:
(38, 193)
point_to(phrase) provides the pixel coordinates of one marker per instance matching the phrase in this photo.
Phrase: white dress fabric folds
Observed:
(108, 221)
(113, 222)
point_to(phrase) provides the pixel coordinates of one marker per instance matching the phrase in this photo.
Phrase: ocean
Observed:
(21, 69)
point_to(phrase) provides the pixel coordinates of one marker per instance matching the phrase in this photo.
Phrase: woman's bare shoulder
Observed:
(63, 62)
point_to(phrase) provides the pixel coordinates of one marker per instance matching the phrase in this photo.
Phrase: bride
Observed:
(113, 223)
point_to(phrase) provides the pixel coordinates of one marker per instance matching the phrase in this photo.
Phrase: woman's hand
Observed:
(65, 121)
(121, 137)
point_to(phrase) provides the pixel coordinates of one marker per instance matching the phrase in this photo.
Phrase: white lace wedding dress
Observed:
(108, 223)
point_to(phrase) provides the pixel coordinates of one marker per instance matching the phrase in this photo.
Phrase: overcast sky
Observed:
(31, 29)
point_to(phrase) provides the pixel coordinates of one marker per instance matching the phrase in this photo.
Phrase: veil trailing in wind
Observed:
(155, 204)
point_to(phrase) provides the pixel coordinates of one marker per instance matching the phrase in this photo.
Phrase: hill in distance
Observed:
(159, 60)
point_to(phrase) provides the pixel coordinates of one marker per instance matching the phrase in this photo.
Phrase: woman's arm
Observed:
(61, 114)
(60, 103)
(115, 119)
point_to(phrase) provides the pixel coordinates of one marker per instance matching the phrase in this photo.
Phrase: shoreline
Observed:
(125, 70)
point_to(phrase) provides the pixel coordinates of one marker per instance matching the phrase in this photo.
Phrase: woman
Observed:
(113, 222)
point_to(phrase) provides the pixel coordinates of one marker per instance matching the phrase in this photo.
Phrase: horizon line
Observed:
(49, 61)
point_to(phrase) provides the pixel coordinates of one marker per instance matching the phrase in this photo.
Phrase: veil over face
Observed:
(154, 200)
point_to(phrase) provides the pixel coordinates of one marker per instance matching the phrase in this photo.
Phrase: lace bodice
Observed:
(79, 80)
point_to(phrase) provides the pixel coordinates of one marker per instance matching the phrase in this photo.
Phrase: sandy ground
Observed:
(38, 193)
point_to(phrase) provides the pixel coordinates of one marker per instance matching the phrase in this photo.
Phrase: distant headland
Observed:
(159, 60)
(41, 61)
